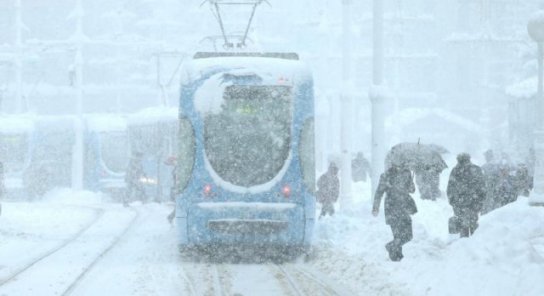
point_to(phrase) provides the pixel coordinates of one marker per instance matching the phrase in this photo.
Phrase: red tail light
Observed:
(286, 190)
(207, 189)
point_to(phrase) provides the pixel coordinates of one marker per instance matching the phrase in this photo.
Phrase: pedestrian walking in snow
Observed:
(507, 190)
(397, 184)
(530, 162)
(328, 189)
(466, 193)
(360, 168)
(133, 179)
(522, 180)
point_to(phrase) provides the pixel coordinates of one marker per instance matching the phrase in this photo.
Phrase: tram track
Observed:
(72, 259)
(291, 282)
(89, 267)
(218, 289)
(301, 282)
(21, 269)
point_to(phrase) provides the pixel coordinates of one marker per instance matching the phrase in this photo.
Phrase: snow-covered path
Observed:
(98, 248)
(111, 250)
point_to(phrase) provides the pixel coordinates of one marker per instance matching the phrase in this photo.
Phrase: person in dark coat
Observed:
(507, 190)
(522, 180)
(397, 184)
(428, 176)
(328, 189)
(360, 168)
(133, 176)
(466, 193)
(531, 163)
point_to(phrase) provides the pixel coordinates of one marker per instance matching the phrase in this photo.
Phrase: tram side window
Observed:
(115, 151)
(307, 154)
(13, 152)
(186, 156)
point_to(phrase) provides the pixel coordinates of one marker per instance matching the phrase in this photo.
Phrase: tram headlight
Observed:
(148, 181)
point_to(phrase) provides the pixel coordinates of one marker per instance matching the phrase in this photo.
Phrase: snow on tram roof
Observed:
(106, 122)
(16, 124)
(265, 63)
(153, 115)
(270, 68)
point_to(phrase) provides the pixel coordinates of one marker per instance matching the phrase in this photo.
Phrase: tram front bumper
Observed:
(246, 223)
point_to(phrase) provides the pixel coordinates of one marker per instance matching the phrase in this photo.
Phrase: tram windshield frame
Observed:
(114, 151)
(248, 141)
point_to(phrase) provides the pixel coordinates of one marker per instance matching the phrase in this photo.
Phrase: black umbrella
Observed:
(417, 156)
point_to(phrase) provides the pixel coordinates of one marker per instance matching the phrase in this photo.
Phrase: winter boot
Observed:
(395, 251)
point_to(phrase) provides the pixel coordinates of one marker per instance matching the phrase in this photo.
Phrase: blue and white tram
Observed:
(50, 165)
(107, 154)
(246, 172)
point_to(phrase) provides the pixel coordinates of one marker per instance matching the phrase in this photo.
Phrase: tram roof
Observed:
(277, 55)
(106, 122)
(262, 63)
(16, 124)
(153, 115)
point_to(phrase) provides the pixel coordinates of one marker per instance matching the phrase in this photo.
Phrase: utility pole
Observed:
(79, 149)
(377, 96)
(18, 57)
(345, 101)
(535, 28)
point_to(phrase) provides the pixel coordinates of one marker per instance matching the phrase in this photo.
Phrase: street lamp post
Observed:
(535, 28)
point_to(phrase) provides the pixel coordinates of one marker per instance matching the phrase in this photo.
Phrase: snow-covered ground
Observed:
(504, 257)
(136, 251)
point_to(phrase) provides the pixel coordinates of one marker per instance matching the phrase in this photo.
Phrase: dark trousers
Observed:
(402, 233)
(468, 220)
(327, 208)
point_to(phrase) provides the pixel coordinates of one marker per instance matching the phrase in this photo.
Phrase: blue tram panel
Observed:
(106, 154)
(246, 171)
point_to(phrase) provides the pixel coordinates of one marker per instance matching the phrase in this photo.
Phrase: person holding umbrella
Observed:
(425, 160)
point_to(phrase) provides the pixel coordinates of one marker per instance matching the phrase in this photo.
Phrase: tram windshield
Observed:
(247, 142)
(13, 152)
(115, 151)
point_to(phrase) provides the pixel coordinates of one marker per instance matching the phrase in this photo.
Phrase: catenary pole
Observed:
(535, 28)
(377, 96)
(18, 57)
(78, 150)
(345, 101)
